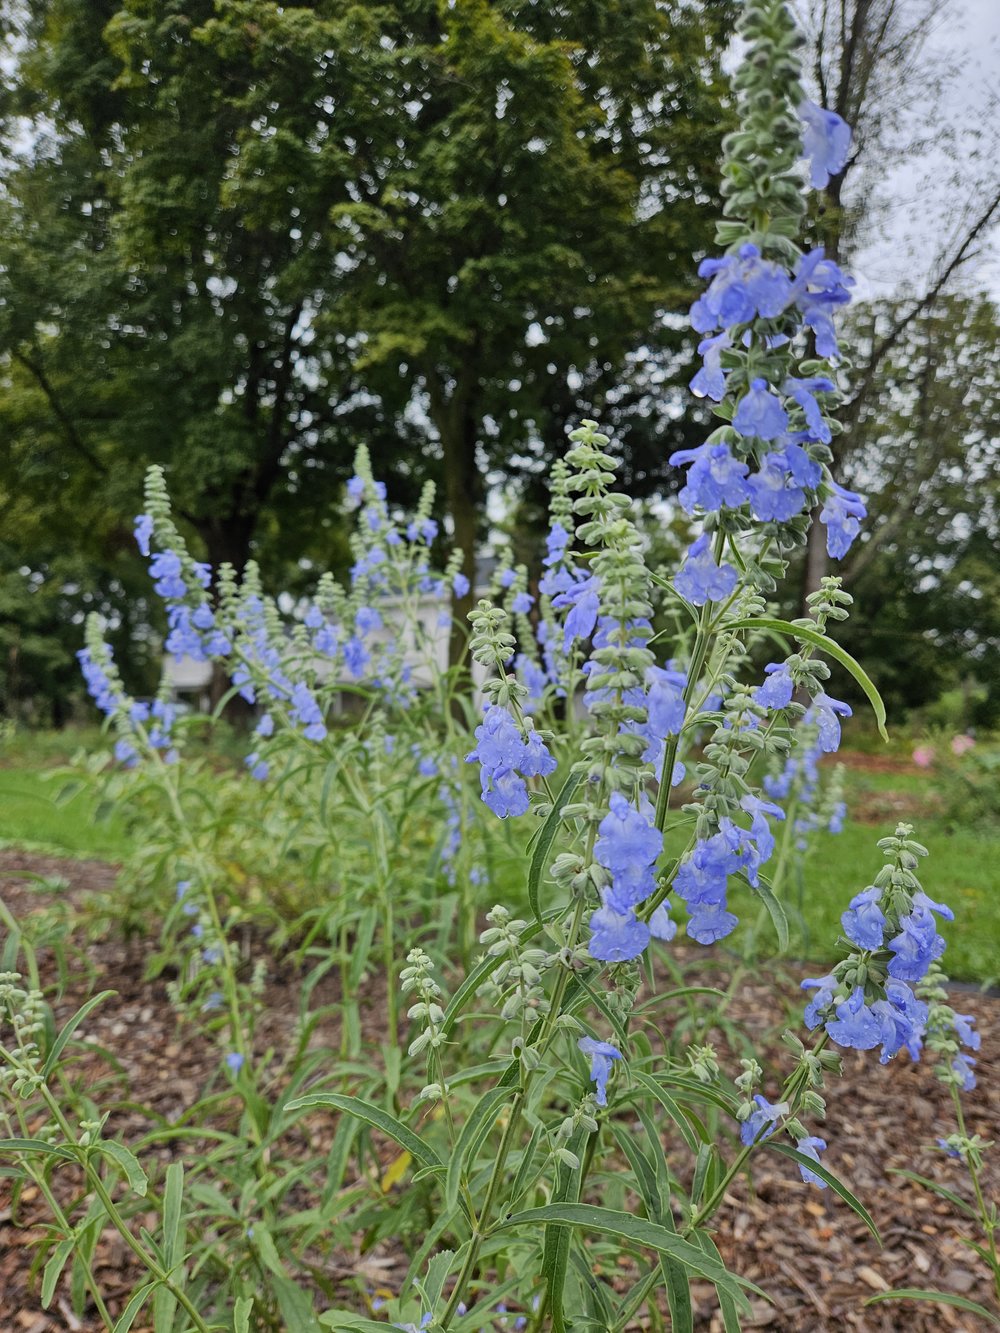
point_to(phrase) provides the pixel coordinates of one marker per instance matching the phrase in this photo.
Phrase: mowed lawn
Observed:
(44, 808)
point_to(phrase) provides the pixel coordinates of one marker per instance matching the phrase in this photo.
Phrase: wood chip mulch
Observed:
(803, 1246)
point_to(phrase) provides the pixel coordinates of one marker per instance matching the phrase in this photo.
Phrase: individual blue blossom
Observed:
(326, 640)
(356, 657)
(259, 768)
(864, 921)
(314, 618)
(855, 1025)
(743, 286)
(167, 569)
(265, 726)
(617, 937)
(949, 1148)
(661, 925)
(460, 585)
(367, 620)
(235, 1061)
(356, 489)
(837, 816)
(818, 288)
(777, 690)
(775, 495)
(306, 712)
(665, 706)
(556, 542)
(762, 1121)
(826, 990)
(904, 1019)
(811, 1146)
(584, 602)
(628, 846)
(824, 712)
(700, 579)
(143, 533)
(917, 945)
(803, 391)
(841, 514)
(965, 1031)
(507, 576)
(602, 1054)
(522, 603)
(760, 413)
(760, 831)
(715, 479)
(826, 141)
(126, 753)
(962, 1068)
(710, 380)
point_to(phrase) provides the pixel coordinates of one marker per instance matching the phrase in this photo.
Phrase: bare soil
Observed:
(803, 1246)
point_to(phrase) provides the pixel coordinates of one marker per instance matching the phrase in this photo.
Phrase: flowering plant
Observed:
(528, 1112)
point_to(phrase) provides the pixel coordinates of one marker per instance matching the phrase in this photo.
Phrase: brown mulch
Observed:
(803, 1246)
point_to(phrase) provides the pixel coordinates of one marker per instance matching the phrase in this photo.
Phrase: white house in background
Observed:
(424, 639)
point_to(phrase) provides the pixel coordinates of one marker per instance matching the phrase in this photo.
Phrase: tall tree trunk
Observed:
(457, 426)
(227, 541)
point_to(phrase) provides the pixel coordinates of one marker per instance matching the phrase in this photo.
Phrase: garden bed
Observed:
(803, 1246)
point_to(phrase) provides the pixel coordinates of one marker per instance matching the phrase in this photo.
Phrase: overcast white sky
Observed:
(968, 34)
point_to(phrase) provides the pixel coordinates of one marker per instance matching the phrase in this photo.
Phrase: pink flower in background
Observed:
(923, 756)
(961, 744)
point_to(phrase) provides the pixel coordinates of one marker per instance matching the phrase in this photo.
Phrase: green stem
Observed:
(989, 1226)
(791, 1093)
(480, 1230)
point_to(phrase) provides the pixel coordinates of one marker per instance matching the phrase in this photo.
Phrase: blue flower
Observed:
(356, 488)
(710, 381)
(700, 579)
(855, 1025)
(904, 1019)
(802, 391)
(818, 288)
(864, 920)
(306, 711)
(965, 1032)
(916, 946)
(506, 757)
(842, 513)
(628, 845)
(776, 494)
(743, 285)
(811, 1146)
(166, 568)
(824, 712)
(235, 1061)
(584, 603)
(615, 936)
(601, 1054)
(826, 989)
(762, 1122)
(143, 532)
(760, 413)
(716, 478)
(777, 690)
(661, 924)
(259, 768)
(460, 585)
(664, 702)
(961, 1067)
(826, 142)
(522, 603)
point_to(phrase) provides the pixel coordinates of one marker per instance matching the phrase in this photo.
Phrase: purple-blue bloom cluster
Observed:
(506, 757)
(700, 579)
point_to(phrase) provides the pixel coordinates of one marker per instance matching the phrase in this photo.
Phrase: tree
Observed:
(871, 63)
(238, 234)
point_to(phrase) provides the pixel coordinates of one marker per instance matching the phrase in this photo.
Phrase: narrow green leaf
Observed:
(940, 1297)
(36, 1145)
(669, 1105)
(372, 1115)
(59, 1045)
(54, 1268)
(556, 1243)
(546, 837)
(127, 1317)
(437, 1274)
(838, 1187)
(296, 1306)
(935, 1188)
(473, 1132)
(138, 1181)
(827, 646)
(727, 1306)
(241, 1314)
(651, 1235)
(776, 912)
(349, 1322)
(173, 1195)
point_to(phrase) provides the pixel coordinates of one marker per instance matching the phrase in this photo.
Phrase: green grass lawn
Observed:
(40, 808)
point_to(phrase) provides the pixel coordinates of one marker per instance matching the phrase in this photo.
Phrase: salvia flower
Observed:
(602, 1055)
(811, 1146)
(762, 1120)
(826, 142)
(700, 579)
